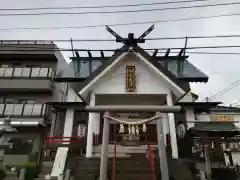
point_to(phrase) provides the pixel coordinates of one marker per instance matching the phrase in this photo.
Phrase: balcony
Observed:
(25, 114)
(26, 79)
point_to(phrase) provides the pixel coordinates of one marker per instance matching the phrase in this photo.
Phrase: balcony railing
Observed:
(11, 72)
(27, 110)
(26, 42)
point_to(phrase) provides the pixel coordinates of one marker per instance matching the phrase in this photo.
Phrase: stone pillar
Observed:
(36, 144)
(61, 156)
(68, 124)
(104, 153)
(53, 123)
(59, 123)
(172, 128)
(165, 125)
(190, 117)
(162, 149)
(91, 117)
(96, 124)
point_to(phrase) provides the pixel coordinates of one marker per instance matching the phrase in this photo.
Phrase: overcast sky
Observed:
(222, 69)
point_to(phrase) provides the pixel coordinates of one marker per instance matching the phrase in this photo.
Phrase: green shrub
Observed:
(32, 170)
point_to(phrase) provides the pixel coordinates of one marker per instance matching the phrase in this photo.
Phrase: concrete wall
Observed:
(15, 160)
(40, 98)
(23, 85)
(207, 117)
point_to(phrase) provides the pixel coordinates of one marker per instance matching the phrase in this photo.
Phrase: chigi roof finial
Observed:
(130, 40)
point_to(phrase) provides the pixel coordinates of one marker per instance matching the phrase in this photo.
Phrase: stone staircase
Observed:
(87, 168)
(131, 163)
(136, 166)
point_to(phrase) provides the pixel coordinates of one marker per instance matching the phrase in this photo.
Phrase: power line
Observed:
(194, 37)
(225, 90)
(28, 47)
(103, 6)
(149, 39)
(154, 38)
(121, 24)
(118, 11)
(211, 53)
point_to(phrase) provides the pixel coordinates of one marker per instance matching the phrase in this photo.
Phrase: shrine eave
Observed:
(201, 105)
(194, 79)
(69, 79)
(214, 128)
(225, 109)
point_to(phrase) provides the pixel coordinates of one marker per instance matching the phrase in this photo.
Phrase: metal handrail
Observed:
(61, 139)
(23, 109)
(151, 158)
(25, 72)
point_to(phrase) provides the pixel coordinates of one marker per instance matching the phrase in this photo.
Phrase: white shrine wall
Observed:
(147, 82)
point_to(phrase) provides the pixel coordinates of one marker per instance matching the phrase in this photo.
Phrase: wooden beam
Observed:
(102, 54)
(155, 53)
(167, 52)
(133, 108)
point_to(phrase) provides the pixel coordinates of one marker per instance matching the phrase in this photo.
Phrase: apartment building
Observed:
(27, 69)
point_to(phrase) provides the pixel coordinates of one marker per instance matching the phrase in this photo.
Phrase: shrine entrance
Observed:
(123, 134)
(132, 129)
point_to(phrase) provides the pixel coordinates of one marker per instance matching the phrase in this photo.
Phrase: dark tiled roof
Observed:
(225, 109)
(190, 72)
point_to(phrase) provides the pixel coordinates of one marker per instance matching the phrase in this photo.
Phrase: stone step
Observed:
(98, 154)
(134, 176)
(125, 165)
(85, 176)
(43, 178)
(124, 149)
(134, 166)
